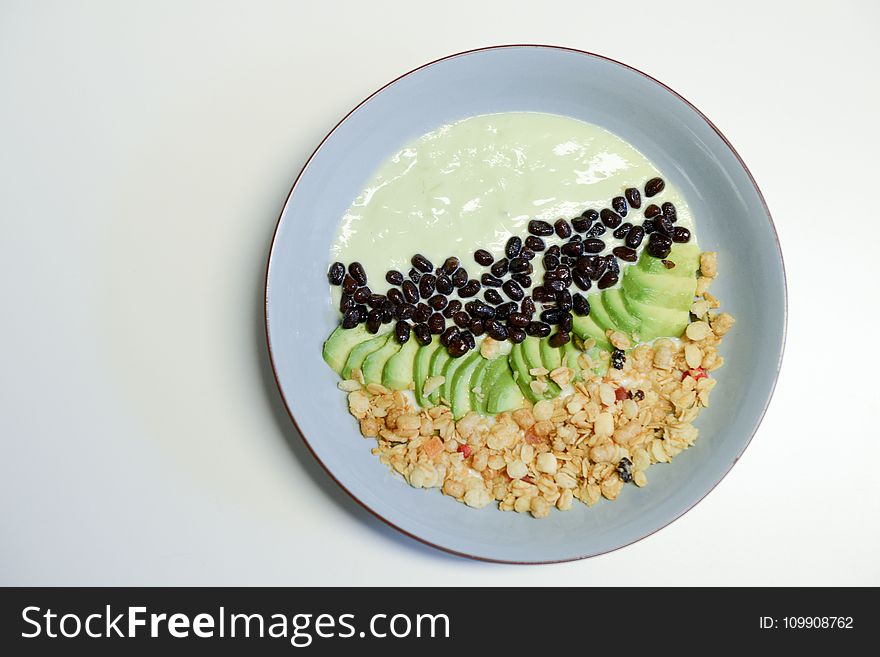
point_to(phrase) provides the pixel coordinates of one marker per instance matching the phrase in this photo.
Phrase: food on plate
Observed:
(525, 315)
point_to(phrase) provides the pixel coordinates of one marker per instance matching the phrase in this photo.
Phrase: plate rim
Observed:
(723, 138)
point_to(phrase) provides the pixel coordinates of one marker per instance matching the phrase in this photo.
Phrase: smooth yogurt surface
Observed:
(474, 183)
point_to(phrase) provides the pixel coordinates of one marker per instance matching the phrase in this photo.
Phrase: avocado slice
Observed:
(685, 256)
(438, 363)
(600, 315)
(374, 364)
(550, 356)
(675, 292)
(505, 394)
(422, 367)
(531, 351)
(461, 384)
(570, 355)
(452, 366)
(478, 401)
(586, 328)
(340, 343)
(658, 321)
(398, 372)
(612, 302)
(356, 358)
(521, 373)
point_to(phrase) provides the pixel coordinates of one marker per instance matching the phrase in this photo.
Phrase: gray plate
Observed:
(731, 218)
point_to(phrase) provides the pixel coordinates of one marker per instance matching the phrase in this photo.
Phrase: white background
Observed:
(146, 149)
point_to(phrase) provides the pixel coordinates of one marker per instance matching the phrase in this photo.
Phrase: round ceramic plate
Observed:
(731, 218)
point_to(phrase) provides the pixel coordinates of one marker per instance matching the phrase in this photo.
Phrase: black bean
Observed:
(351, 318)
(552, 315)
(681, 234)
(480, 309)
(423, 312)
(555, 285)
(452, 263)
(633, 197)
(483, 257)
(619, 205)
(669, 212)
(492, 296)
(610, 218)
(490, 281)
(396, 296)
(513, 247)
(634, 237)
(520, 266)
(513, 290)
(523, 279)
(580, 224)
(527, 306)
(560, 274)
(663, 225)
(458, 348)
(624, 468)
(372, 300)
(470, 289)
(346, 303)
(436, 323)
(594, 245)
(625, 253)
(597, 230)
(573, 249)
(520, 320)
(621, 231)
(414, 275)
(585, 264)
(590, 214)
(527, 254)
(468, 338)
(543, 295)
(654, 186)
(394, 277)
(562, 228)
(559, 338)
(495, 329)
(554, 250)
(421, 263)
(608, 279)
(612, 263)
(538, 329)
(461, 319)
(535, 243)
(336, 273)
(648, 226)
(540, 228)
(563, 300)
(423, 334)
(452, 307)
(405, 311)
(500, 267)
(427, 285)
(438, 302)
(567, 261)
(551, 262)
(387, 315)
(374, 321)
(575, 238)
(652, 211)
(349, 285)
(505, 310)
(579, 304)
(449, 335)
(476, 327)
(444, 284)
(460, 277)
(410, 292)
(363, 312)
(582, 280)
(566, 322)
(362, 294)
(600, 269)
(401, 331)
(515, 335)
(357, 272)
